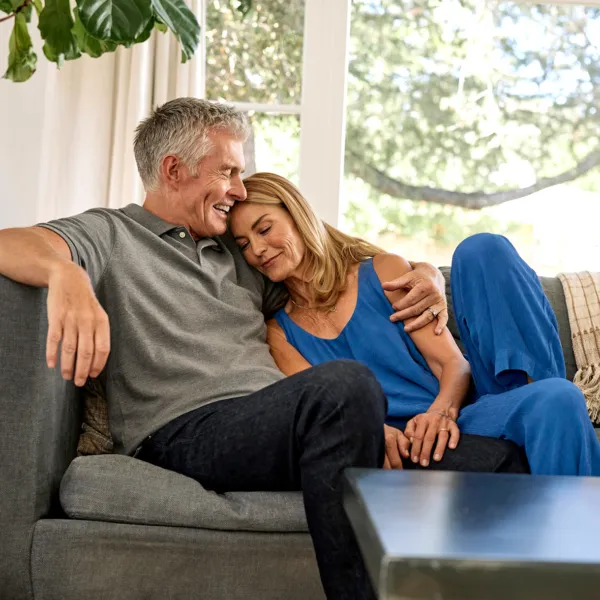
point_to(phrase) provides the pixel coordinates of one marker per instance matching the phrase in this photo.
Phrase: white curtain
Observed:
(90, 110)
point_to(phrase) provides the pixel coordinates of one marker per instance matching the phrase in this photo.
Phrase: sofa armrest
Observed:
(39, 424)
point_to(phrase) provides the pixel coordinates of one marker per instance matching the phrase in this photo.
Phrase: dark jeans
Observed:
(298, 434)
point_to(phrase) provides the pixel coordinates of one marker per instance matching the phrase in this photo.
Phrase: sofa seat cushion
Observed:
(122, 489)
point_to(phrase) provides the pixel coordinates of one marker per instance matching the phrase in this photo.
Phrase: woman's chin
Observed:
(274, 275)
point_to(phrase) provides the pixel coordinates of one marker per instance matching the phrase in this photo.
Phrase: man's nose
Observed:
(238, 191)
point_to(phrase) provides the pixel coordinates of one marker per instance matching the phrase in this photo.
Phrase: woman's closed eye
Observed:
(265, 230)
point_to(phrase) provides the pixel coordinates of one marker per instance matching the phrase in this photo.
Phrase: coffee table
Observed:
(477, 536)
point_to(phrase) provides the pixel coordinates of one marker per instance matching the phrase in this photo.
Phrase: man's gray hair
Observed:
(181, 127)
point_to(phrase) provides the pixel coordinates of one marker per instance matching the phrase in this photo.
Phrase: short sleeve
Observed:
(90, 237)
(274, 297)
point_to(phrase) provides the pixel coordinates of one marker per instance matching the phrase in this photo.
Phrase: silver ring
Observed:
(435, 314)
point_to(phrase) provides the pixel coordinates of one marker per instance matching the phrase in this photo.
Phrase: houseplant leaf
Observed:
(9, 6)
(119, 21)
(55, 25)
(21, 57)
(181, 21)
(88, 44)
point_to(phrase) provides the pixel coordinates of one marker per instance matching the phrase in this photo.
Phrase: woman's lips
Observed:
(267, 264)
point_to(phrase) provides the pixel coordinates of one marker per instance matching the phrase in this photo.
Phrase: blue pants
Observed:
(509, 331)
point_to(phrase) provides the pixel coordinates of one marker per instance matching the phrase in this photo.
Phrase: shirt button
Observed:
(182, 234)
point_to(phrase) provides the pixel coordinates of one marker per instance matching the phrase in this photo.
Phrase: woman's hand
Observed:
(423, 431)
(396, 447)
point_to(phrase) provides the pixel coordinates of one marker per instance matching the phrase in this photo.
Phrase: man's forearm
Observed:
(27, 257)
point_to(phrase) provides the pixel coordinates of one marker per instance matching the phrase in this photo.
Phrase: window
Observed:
(255, 62)
(461, 115)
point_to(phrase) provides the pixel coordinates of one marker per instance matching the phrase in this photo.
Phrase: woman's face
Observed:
(268, 238)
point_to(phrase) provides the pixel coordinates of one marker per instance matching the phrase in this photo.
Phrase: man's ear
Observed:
(171, 170)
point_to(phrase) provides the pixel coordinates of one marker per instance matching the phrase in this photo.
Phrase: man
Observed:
(159, 303)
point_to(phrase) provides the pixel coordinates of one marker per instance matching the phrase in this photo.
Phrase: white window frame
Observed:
(323, 120)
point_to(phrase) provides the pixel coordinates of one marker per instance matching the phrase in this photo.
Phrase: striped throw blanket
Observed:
(582, 295)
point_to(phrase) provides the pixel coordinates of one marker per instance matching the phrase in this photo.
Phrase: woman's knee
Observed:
(557, 398)
(480, 245)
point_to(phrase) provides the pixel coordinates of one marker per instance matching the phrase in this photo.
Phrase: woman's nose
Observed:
(259, 248)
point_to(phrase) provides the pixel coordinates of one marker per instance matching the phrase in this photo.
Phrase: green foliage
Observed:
(9, 6)
(467, 96)
(88, 44)
(179, 18)
(256, 58)
(21, 57)
(94, 27)
(55, 25)
(119, 21)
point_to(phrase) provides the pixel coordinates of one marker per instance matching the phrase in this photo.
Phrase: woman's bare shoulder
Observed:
(390, 266)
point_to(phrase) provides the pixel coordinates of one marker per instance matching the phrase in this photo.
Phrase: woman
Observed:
(337, 308)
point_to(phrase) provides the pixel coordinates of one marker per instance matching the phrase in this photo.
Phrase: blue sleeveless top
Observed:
(372, 339)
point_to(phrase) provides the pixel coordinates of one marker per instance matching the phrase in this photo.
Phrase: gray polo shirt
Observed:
(185, 317)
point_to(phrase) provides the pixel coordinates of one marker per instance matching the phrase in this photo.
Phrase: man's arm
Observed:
(427, 291)
(42, 258)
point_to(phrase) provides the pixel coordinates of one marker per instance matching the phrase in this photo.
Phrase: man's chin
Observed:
(218, 229)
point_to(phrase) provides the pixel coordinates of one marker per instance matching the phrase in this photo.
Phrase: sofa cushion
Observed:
(95, 435)
(123, 489)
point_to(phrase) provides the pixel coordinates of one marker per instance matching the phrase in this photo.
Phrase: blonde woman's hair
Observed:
(329, 252)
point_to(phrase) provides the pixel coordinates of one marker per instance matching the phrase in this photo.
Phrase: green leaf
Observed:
(27, 11)
(53, 56)
(146, 33)
(10, 6)
(244, 6)
(21, 57)
(88, 44)
(39, 7)
(55, 25)
(119, 21)
(181, 21)
(161, 26)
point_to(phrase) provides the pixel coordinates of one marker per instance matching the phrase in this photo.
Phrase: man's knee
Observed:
(352, 388)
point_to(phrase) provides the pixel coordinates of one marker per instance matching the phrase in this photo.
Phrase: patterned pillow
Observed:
(95, 435)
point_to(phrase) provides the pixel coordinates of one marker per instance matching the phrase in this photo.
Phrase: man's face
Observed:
(207, 197)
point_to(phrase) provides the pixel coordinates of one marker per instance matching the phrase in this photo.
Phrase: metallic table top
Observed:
(477, 536)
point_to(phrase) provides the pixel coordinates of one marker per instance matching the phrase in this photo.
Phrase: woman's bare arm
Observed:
(286, 357)
(440, 351)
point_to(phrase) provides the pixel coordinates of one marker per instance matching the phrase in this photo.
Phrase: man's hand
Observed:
(422, 432)
(76, 318)
(396, 446)
(426, 299)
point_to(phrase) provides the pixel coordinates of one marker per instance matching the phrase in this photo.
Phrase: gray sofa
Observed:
(109, 527)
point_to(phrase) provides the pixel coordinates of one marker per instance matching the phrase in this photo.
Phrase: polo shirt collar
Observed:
(148, 220)
(159, 226)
